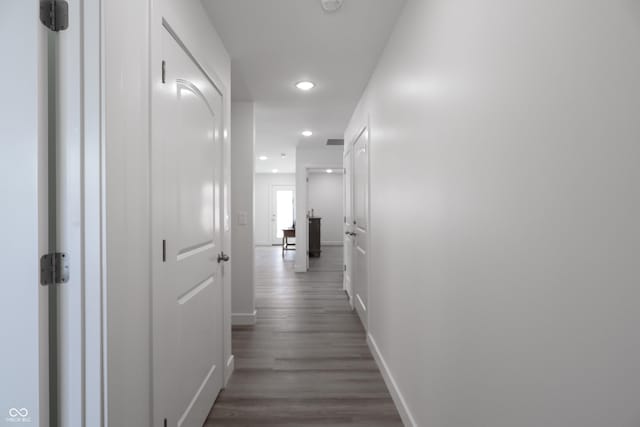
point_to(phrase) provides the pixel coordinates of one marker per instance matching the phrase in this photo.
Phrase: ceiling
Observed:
(275, 43)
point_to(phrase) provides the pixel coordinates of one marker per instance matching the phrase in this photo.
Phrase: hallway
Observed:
(306, 361)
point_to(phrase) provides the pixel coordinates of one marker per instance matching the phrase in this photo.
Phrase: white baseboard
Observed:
(300, 269)
(243, 319)
(396, 395)
(231, 365)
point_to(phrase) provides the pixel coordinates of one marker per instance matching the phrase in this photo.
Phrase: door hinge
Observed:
(54, 269)
(164, 251)
(345, 267)
(54, 14)
(164, 71)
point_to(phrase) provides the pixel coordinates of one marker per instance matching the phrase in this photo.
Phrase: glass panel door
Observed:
(282, 211)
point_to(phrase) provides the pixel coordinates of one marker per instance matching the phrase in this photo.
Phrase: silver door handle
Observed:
(222, 257)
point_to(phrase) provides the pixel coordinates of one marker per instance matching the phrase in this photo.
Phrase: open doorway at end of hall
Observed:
(325, 209)
(275, 210)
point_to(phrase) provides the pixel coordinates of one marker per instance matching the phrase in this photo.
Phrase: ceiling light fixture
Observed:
(305, 85)
(275, 171)
(329, 170)
(331, 6)
(262, 158)
(307, 133)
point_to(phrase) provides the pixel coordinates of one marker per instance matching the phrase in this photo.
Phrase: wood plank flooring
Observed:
(306, 361)
(330, 260)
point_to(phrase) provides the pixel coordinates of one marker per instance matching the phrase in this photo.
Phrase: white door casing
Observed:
(187, 193)
(360, 252)
(24, 227)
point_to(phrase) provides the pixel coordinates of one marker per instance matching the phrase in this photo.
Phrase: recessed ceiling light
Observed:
(283, 155)
(331, 5)
(329, 170)
(275, 171)
(307, 133)
(305, 85)
(263, 158)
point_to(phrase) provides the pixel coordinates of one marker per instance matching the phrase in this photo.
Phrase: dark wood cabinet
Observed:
(314, 237)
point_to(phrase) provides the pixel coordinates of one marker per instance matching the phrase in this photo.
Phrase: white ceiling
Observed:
(275, 43)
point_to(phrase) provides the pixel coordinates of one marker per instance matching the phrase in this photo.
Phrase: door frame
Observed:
(272, 210)
(305, 229)
(80, 199)
(160, 23)
(362, 130)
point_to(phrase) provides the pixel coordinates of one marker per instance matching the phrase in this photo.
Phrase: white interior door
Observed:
(348, 224)
(24, 216)
(187, 283)
(283, 205)
(361, 224)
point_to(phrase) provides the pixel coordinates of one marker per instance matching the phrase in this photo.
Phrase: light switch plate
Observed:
(242, 218)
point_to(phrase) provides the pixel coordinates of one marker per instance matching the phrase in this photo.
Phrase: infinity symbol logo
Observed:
(15, 412)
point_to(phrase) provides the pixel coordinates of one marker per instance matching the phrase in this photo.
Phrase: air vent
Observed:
(335, 141)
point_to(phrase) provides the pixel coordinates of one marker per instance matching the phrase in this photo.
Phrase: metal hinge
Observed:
(54, 14)
(164, 71)
(54, 269)
(345, 268)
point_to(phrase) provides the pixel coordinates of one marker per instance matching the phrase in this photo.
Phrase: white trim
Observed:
(94, 214)
(361, 304)
(231, 366)
(244, 319)
(405, 414)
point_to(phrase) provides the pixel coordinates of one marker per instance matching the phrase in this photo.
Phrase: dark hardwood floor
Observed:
(306, 361)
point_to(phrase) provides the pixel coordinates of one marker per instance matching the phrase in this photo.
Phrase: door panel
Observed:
(24, 216)
(360, 251)
(348, 225)
(188, 285)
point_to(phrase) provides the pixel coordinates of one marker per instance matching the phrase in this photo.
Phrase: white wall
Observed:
(126, 73)
(306, 157)
(505, 198)
(242, 166)
(325, 197)
(263, 183)
(24, 215)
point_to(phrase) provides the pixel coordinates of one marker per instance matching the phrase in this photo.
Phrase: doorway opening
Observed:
(325, 212)
(283, 214)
